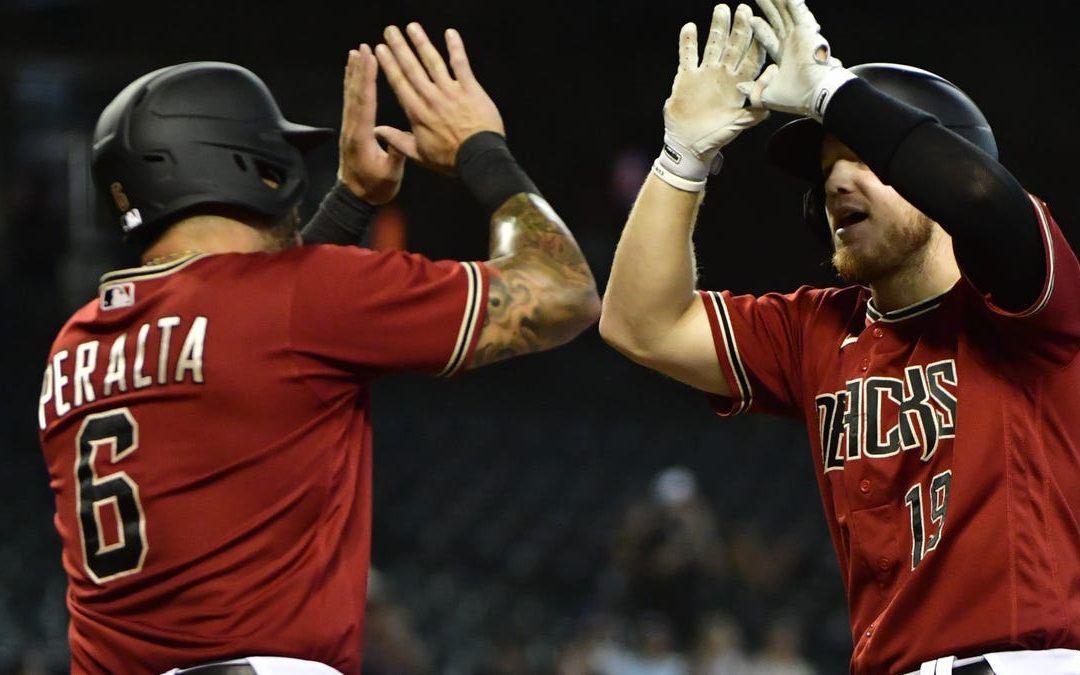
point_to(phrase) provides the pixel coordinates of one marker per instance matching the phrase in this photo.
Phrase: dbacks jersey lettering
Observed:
(946, 438)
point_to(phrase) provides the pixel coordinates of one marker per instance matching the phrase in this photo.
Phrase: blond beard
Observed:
(895, 252)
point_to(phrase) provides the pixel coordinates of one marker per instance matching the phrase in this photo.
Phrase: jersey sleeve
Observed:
(1048, 331)
(758, 343)
(379, 312)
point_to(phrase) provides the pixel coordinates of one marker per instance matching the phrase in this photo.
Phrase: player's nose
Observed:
(840, 178)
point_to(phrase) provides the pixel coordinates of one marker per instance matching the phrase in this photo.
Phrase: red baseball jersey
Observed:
(946, 438)
(207, 433)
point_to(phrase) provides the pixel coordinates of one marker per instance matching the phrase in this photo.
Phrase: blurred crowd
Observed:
(673, 597)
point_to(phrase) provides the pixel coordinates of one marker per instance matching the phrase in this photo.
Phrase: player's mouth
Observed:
(847, 219)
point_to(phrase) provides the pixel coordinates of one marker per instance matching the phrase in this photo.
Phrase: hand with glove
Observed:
(705, 110)
(805, 74)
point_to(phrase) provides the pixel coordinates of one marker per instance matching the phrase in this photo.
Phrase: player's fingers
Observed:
(688, 55)
(395, 159)
(367, 99)
(410, 101)
(429, 55)
(739, 40)
(459, 60)
(718, 35)
(401, 142)
(753, 60)
(786, 19)
(761, 84)
(764, 34)
(348, 88)
(772, 16)
(801, 15)
(409, 65)
(753, 89)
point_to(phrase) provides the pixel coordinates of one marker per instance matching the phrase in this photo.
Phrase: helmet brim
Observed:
(795, 148)
(305, 138)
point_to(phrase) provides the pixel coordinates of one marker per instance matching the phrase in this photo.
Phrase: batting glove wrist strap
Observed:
(680, 167)
(826, 87)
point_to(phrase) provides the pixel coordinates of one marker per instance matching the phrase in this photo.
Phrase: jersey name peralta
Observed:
(946, 437)
(206, 428)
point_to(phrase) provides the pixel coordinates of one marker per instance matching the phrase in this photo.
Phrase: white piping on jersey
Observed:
(851, 339)
(917, 309)
(873, 314)
(1049, 239)
(468, 320)
(149, 271)
(746, 394)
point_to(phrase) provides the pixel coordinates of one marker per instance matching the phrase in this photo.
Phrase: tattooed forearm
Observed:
(541, 292)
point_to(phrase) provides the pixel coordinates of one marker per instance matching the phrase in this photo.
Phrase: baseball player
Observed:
(206, 420)
(938, 389)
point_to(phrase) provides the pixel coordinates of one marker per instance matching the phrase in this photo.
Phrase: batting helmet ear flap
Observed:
(814, 214)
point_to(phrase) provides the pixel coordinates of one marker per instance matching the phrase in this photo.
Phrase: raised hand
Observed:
(444, 108)
(805, 74)
(371, 173)
(705, 110)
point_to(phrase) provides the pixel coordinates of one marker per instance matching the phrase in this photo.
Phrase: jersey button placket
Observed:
(865, 486)
(877, 332)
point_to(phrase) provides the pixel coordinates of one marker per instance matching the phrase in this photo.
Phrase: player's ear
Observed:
(814, 214)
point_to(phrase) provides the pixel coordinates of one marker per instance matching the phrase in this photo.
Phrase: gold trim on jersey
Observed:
(149, 271)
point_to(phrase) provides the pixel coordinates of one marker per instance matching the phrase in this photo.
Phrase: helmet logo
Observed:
(117, 192)
(131, 220)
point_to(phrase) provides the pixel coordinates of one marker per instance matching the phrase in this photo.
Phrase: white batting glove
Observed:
(705, 110)
(805, 75)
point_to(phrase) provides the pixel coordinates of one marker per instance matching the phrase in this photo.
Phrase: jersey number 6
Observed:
(112, 547)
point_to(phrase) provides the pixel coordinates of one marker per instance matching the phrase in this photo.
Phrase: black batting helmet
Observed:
(796, 146)
(195, 134)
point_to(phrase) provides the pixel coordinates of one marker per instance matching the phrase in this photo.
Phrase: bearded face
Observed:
(895, 246)
(876, 233)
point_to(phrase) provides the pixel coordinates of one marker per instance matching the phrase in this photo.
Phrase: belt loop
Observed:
(943, 666)
(927, 668)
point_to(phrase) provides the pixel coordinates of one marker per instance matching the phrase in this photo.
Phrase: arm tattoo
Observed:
(540, 290)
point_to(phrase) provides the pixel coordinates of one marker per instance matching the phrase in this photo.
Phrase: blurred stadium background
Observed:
(568, 512)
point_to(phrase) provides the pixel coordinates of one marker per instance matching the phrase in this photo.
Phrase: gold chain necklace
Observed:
(169, 257)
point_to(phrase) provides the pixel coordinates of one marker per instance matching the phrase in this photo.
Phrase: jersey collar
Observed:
(873, 314)
(150, 271)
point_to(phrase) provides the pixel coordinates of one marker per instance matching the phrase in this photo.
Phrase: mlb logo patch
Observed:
(118, 295)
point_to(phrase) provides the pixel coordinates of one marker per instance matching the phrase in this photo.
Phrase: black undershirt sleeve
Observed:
(987, 212)
(484, 165)
(488, 170)
(342, 218)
